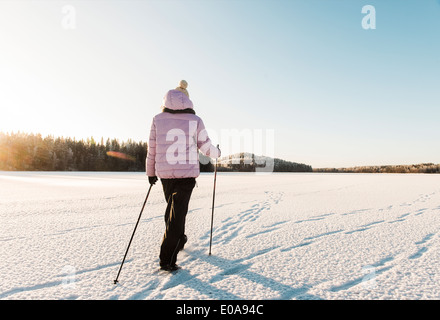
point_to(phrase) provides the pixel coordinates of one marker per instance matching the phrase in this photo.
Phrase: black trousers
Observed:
(177, 194)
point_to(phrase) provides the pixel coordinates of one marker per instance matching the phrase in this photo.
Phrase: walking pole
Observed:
(140, 214)
(213, 198)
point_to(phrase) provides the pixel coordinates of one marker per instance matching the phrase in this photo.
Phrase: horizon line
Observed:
(54, 136)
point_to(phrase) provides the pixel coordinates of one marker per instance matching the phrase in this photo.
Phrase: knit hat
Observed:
(178, 99)
(182, 87)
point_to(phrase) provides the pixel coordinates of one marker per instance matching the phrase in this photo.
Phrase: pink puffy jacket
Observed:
(175, 138)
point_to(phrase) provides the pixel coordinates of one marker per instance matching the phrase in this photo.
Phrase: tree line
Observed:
(413, 168)
(32, 152)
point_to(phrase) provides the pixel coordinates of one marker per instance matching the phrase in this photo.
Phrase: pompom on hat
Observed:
(183, 84)
(182, 87)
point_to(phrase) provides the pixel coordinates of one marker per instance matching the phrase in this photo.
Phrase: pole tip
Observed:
(115, 281)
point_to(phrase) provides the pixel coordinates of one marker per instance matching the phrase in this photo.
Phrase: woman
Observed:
(176, 136)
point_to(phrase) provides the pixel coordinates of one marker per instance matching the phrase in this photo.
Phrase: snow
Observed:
(276, 236)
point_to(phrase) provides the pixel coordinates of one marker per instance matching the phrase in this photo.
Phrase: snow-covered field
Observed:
(277, 236)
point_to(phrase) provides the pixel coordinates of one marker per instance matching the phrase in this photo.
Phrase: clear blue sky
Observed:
(334, 93)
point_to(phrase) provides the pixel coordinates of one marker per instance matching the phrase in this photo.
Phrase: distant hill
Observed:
(413, 168)
(249, 162)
